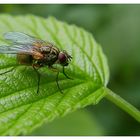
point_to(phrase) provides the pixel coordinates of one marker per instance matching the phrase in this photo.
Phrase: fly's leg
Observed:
(57, 83)
(7, 71)
(66, 74)
(38, 76)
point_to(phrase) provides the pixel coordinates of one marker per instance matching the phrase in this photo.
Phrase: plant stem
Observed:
(120, 102)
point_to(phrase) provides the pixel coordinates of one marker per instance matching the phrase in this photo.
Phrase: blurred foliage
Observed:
(116, 27)
(65, 126)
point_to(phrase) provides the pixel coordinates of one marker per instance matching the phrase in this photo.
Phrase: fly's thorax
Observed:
(45, 49)
(49, 53)
(55, 50)
(24, 59)
(49, 49)
(51, 57)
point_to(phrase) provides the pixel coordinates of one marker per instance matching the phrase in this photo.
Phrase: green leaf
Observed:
(21, 108)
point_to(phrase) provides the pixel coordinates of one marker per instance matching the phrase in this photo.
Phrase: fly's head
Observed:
(64, 58)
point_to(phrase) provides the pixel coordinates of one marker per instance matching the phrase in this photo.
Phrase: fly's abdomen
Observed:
(24, 59)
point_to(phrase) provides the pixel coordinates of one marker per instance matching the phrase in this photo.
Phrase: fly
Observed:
(35, 52)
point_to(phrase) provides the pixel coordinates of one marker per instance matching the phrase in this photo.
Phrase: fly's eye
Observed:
(62, 57)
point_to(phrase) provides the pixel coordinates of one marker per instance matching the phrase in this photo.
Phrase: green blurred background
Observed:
(117, 29)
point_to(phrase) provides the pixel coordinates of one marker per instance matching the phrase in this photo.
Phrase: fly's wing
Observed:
(14, 49)
(22, 49)
(21, 38)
